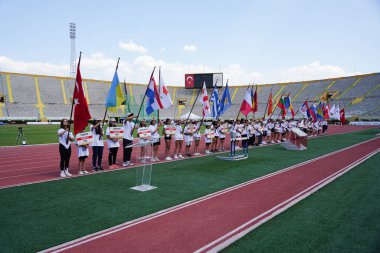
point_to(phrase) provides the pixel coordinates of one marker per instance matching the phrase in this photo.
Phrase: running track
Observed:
(39, 163)
(216, 220)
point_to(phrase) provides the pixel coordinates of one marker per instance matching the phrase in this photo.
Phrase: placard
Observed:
(223, 129)
(84, 138)
(144, 133)
(116, 132)
(210, 135)
(170, 130)
(191, 128)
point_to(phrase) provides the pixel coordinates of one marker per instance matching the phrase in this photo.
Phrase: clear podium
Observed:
(297, 140)
(236, 156)
(144, 172)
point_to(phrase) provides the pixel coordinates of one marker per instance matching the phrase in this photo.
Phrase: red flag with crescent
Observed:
(189, 81)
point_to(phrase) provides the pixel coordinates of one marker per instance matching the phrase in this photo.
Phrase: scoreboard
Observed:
(195, 81)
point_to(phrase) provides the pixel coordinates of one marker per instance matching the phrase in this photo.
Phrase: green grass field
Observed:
(39, 216)
(37, 134)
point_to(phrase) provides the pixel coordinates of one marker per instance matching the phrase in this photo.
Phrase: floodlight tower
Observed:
(73, 35)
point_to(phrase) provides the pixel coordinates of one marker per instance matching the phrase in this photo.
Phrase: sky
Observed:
(258, 41)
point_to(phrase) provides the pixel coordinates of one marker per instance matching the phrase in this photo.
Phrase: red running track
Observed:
(39, 163)
(215, 221)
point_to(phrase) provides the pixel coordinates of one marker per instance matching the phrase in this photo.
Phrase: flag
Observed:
(81, 111)
(246, 105)
(154, 101)
(289, 106)
(320, 111)
(281, 105)
(313, 112)
(304, 109)
(166, 100)
(332, 112)
(115, 95)
(337, 112)
(270, 105)
(205, 102)
(342, 116)
(215, 104)
(254, 100)
(225, 102)
(326, 111)
(126, 100)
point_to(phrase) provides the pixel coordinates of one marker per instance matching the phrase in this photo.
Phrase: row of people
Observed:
(258, 132)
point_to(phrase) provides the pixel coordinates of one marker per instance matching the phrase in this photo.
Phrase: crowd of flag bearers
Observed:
(185, 135)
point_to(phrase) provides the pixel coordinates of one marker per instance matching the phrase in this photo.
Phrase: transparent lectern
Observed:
(144, 172)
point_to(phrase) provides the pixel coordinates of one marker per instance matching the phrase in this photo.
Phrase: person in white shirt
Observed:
(178, 138)
(168, 139)
(65, 138)
(215, 125)
(155, 137)
(208, 140)
(97, 145)
(143, 139)
(83, 153)
(188, 139)
(113, 145)
(197, 138)
(128, 127)
(220, 131)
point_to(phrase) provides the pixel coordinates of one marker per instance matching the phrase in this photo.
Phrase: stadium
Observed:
(236, 158)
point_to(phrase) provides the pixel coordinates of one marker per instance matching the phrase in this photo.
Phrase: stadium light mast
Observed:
(73, 35)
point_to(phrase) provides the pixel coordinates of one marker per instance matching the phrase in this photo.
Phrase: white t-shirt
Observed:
(178, 132)
(111, 143)
(128, 127)
(63, 138)
(188, 138)
(207, 140)
(98, 140)
(154, 132)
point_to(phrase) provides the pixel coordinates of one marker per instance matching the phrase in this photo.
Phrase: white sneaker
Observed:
(175, 157)
(180, 156)
(207, 152)
(130, 164)
(67, 173)
(62, 174)
(125, 164)
(157, 159)
(272, 142)
(168, 158)
(81, 172)
(85, 171)
(153, 159)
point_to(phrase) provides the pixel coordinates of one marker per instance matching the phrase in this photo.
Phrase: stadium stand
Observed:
(48, 97)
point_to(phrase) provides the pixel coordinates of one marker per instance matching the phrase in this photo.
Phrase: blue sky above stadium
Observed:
(250, 41)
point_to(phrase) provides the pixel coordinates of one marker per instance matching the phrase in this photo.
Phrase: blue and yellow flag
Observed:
(115, 95)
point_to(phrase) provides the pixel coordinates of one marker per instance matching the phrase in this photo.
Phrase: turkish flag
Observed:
(189, 81)
(81, 111)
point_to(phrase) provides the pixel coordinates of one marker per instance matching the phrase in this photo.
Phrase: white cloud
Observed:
(190, 48)
(43, 68)
(312, 71)
(132, 47)
(99, 66)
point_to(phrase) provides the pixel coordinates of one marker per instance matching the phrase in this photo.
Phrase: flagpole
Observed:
(142, 102)
(159, 87)
(266, 108)
(192, 107)
(222, 95)
(72, 102)
(203, 116)
(105, 113)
